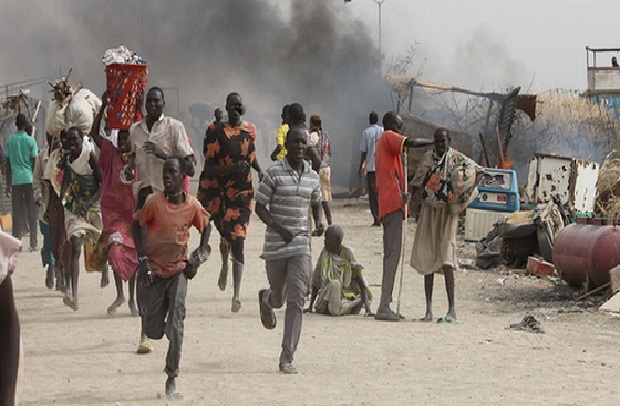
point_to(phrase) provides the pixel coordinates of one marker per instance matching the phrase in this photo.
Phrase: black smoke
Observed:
(273, 53)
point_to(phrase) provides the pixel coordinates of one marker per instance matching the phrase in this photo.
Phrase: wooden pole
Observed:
(484, 149)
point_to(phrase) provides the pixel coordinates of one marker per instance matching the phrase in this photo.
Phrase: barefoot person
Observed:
(10, 337)
(165, 265)
(117, 204)
(288, 187)
(82, 181)
(434, 245)
(393, 207)
(55, 212)
(338, 283)
(319, 140)
(226, 188)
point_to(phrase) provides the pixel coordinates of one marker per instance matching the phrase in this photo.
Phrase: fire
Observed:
(505, 162)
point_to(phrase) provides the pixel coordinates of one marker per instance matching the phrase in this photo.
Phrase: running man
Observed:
(288, 187)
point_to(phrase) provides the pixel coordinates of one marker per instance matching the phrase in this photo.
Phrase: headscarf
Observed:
(315, 122)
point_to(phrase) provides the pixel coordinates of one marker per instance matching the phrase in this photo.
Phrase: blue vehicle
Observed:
(498, 191)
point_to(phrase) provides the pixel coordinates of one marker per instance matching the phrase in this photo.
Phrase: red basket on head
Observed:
(124, 82)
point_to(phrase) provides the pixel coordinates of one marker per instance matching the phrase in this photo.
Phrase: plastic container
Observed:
(124, 82)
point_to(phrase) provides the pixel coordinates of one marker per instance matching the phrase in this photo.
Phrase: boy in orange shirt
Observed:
(164, 265)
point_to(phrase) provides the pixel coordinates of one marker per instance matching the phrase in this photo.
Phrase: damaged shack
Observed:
(555, 141)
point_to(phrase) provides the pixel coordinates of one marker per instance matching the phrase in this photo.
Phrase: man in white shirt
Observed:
(370, 136)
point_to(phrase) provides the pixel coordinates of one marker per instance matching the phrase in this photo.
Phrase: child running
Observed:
(164, 264)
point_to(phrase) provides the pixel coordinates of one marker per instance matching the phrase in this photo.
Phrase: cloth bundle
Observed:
(79, 110)
(448, 181)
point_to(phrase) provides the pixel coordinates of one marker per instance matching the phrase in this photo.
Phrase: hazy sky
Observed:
(321, 53)
(482, 44)
(476, 42)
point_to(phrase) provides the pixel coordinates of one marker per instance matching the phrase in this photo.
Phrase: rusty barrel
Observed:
(589, 247)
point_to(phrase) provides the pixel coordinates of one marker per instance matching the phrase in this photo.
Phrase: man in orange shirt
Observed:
(164, 265)
(393, 207)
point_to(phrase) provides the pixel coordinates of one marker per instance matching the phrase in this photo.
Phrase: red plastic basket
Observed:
(124, 83)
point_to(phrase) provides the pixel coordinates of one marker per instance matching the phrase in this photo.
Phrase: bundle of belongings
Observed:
(71, 105)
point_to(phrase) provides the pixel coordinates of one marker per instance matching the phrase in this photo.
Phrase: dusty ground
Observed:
(86, 357)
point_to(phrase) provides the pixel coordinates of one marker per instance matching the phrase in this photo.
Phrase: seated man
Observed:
(338, 284)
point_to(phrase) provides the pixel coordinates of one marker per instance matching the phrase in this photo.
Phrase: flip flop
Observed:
(447, 319)
(267, 316)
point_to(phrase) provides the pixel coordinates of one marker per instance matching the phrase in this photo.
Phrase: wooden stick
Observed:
(499, 147)
(484, 149)
(590, 293)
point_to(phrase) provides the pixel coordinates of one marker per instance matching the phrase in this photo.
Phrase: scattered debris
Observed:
(489, 251)
(614, 279)
(466, 263)
(592, 292)
(612, 305)
(552, 176)
(532, 263)
(530, 324)
(572, 309)
(544, 268)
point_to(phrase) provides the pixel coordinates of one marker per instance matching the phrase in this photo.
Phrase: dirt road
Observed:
(88, 358)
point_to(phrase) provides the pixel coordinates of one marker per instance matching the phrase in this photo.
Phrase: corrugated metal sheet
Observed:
(479, 222)
(507, 115)
(573, 180)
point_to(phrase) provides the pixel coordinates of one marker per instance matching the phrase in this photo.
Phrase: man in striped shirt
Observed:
(287, 188)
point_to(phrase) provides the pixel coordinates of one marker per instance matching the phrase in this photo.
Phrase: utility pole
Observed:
(378, 3)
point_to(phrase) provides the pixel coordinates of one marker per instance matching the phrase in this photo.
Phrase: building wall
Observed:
(603, 79)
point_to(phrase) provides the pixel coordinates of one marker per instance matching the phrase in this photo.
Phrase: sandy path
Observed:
(85, 357)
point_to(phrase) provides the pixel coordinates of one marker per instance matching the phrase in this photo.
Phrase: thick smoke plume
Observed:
(312, 52)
